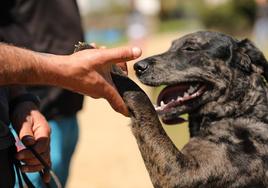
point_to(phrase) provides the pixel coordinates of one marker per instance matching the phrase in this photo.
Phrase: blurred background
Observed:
(107, 155)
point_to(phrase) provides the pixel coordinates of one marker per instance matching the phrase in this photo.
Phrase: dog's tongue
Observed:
(173, 121)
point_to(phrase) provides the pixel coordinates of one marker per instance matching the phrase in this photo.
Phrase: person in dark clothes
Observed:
(19, 107)
(53, 27)
(86, 72)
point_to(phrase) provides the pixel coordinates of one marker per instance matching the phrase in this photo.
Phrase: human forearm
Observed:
(86, 71)
(22, 66)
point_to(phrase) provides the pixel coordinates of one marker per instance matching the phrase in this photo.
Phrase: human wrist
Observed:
(52, 69)
(59, 71)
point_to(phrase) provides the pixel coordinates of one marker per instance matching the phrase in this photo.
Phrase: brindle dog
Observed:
(220, 82)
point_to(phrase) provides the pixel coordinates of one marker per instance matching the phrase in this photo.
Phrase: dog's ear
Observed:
(252, 58)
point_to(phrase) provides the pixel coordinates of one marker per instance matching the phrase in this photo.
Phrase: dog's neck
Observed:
(252, 103)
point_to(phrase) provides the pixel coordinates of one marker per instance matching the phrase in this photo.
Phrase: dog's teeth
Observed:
(195, 86)
(185, 94)
(198, 93)
(191, 89)
(158, 108)
(179, 98)
(162, 104)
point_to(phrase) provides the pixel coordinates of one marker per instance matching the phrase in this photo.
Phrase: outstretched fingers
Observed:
(122, 54)
(115, 100)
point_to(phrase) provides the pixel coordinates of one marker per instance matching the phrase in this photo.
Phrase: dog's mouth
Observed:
(174, 97)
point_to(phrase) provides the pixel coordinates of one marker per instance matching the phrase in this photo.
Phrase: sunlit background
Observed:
(107, 155)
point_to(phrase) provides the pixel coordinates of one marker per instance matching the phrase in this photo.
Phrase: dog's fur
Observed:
(228, 122)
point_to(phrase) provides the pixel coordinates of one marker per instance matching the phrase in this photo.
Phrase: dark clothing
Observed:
(7, 175)
(6, 139)
(27, 23)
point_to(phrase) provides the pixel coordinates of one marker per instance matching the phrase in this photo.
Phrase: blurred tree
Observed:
(247, 8)
(231, 16)
(171, 9)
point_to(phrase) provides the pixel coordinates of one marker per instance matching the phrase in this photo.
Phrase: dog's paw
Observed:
(82, 46)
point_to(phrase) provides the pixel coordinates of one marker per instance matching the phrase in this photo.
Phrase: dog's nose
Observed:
(140, 67)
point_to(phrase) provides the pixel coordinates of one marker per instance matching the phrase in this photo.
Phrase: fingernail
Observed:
(136, 52)
(28, 140)
(93, 44)
(125, 112)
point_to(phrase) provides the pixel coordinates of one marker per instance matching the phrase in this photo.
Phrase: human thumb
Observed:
(28, 140)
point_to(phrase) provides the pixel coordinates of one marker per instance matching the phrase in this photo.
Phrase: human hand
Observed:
(88, 72)
(33, 130)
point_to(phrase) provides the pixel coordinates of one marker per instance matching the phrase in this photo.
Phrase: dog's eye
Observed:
(190, 48)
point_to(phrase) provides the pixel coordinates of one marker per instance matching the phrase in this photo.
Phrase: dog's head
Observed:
(201, 68)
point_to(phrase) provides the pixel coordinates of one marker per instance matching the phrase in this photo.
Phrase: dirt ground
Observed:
(107, 155)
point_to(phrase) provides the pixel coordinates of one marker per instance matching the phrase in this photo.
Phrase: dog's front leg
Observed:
(167, 166)
(201, 163)
(157, 150)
